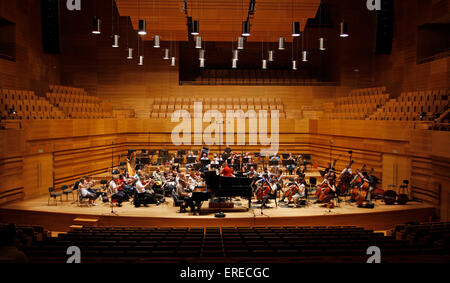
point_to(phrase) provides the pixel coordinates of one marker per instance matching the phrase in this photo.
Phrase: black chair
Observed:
(66, 191)
(176, 201)
(53, 194)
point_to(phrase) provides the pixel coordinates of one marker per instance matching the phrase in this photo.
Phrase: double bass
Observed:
(344, 180)
(363, 190)
(327, 192)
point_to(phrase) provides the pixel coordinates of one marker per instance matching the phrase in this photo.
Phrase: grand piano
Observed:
(218, 186)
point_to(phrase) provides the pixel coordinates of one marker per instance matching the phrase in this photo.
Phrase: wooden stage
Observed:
(59, 218)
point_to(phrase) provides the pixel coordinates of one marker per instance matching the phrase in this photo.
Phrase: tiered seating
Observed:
(432, 235)
(123, 113)
(163, 107)
(26, 235)
(76, 103)
(27, 106)
(359, 104)
(409, 106)
(227, 244)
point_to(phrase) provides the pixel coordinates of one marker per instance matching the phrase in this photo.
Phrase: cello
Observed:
(364, 189)
(263, 190)
(345, 179)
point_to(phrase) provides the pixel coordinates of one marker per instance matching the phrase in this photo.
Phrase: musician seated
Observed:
(87, 192)
(251, 173)
(117, 194)
(295, 192)
(183, 193)
(145, 195)
(291, 167)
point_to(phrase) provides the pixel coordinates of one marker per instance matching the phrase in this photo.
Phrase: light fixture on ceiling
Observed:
(344, 29)
(173, 62)
(201, 54)
(281, 42)
(96, 26)
(271, 52)
(234, 64)
(240, 43)
(166, 54)
(142, 27)
(294, 65)
(236, 54)
(195, 28)
(130, 53)
(305, 56)
(202, 63)
(296, 29)
(322, 44)
(116, 41)
(246, 28)
(156, 41)
(198, 42)
(141, 60)
(264, 64)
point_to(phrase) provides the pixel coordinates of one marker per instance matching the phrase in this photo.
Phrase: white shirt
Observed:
(139, 187)
(113, 186)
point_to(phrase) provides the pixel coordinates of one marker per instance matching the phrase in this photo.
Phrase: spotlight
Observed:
(141, 60)
(201, 54)
(195, 28)
(322, 44)
(344, 29)
(281, 41)
(271, 55)
(142, 27)
(172, 63)
(96, 26)
(305, 56)
(236, 54)
(295, 29)
(202, 63)
(234, 64)
(246, 28)
(130, 53)
(264, 64)
(166, 54)
(156, 41)
(116, 41)
(240, 42)
(294, 65)
(198, 42)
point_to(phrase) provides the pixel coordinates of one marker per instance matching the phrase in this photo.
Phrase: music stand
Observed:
(285, 155)
(245, 160)
(178, 160)
(205, 162)
(274, 162)
(312, 182)
(287, 162)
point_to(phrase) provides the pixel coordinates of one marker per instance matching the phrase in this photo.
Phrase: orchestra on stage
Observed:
(192, 177)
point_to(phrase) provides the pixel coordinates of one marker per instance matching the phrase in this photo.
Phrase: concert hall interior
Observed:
(238, 131)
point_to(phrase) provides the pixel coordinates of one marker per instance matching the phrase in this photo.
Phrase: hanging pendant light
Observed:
(198, 42)
(240, 43)
(295, 29)
(156, 41)
(271, 56)
(141, 60)
(264, 64)
(116, 41)
(322, 44)
(246, 28)
(344, 29)
(195, 28)
(294, 65)
(281, 41)
(202, 63)
(236, 54)
(166, 54)
(173, 61)
(234, 64)
(142, 27)
(96, 26)
(130, 53)
(305, 56)
(201, 54)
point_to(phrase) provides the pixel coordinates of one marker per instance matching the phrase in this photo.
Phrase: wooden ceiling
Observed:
(220, 20)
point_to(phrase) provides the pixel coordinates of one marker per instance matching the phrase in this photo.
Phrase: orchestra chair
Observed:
(176, 201)
(66, 191)
(312, 183)
(82, 200)
(53, 194)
